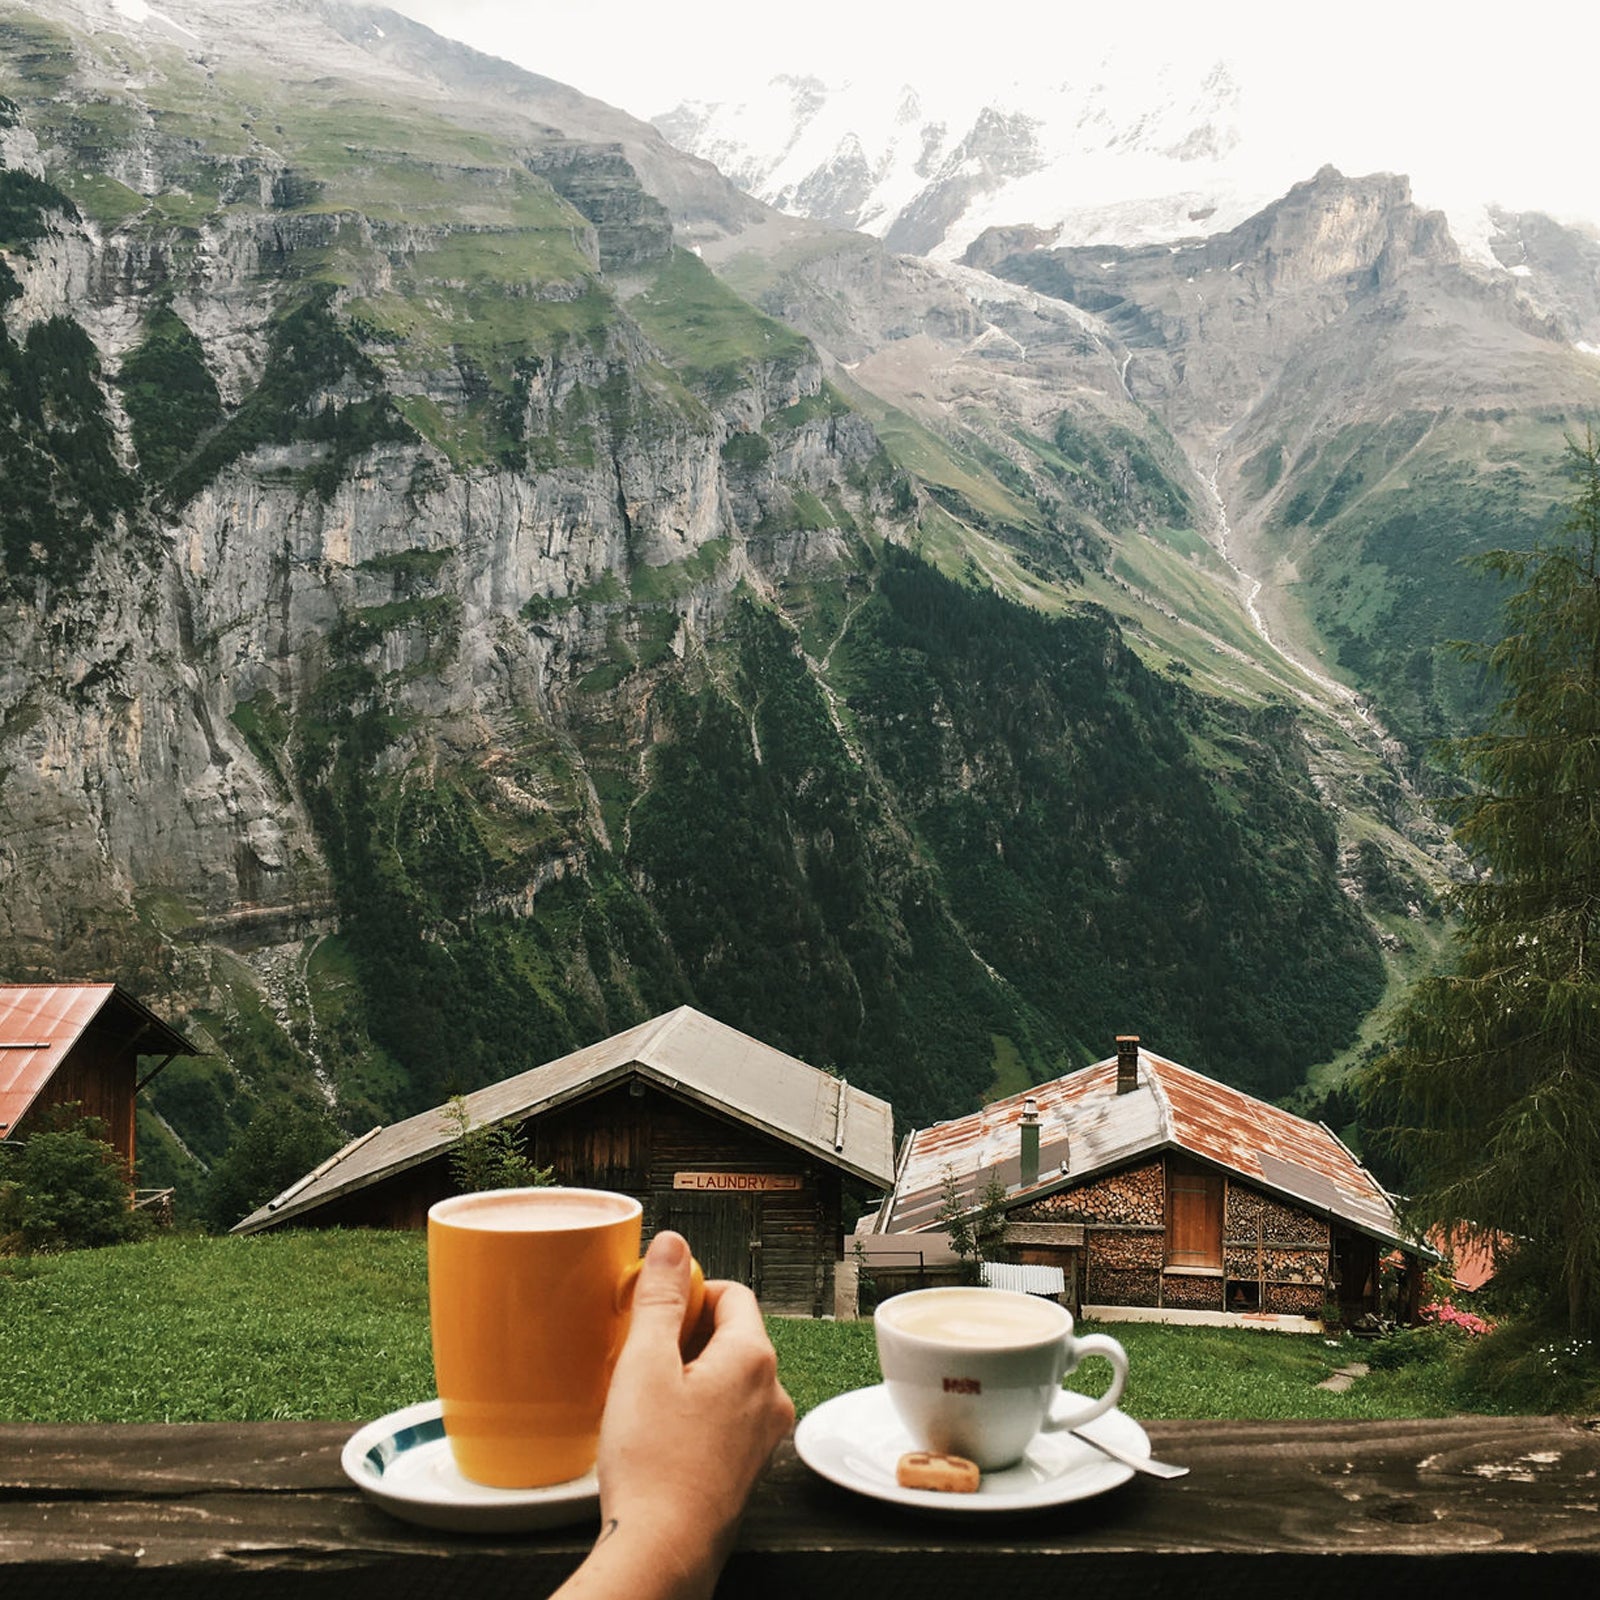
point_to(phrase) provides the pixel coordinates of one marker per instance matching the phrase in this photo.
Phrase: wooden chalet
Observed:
(1161, 1193)
(744, 1150)
(86, 1044)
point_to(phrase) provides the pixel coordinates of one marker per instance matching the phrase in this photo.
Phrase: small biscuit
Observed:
(922, 1469)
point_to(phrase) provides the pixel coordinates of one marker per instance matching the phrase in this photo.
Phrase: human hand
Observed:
(682, 1442)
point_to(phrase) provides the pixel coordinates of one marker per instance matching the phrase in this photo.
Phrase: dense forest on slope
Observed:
(1013, 842)
(1131, 856)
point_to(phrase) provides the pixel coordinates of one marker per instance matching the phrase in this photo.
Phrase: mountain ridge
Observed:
(1115, 156)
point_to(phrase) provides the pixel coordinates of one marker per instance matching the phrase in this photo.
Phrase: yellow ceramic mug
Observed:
(530, 1291)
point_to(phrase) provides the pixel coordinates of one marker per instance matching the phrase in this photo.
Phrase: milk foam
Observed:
(517, 1212)
(978, 1320)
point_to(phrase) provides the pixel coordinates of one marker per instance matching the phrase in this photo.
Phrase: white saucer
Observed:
(856, 1439)
(402, 1462)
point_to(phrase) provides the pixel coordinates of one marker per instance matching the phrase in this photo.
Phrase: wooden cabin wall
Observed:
(1276, 1256)
(98, 1075)
(783, 1245)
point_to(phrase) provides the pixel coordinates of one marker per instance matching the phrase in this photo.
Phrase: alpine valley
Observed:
(474, 578)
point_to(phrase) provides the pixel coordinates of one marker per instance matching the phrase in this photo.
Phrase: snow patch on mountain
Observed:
(1112, 151)
(140, 11)
(1103, 155)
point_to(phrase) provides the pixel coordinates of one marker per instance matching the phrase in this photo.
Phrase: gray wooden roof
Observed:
(685, 1052)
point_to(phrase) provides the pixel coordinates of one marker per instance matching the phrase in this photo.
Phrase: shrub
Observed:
(1534, 1367)
(1407, 1347)
(65, 1188)
(283, 1141)
(490, 1157)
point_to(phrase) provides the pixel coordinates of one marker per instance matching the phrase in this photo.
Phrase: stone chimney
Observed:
(1127, 1062)
(1030, 1142)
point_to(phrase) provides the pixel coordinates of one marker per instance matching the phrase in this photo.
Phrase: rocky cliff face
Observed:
(1196, 314)
(382, 479)
(1556, 267)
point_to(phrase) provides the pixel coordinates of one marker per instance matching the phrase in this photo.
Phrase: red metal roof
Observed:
(40, 1023)
(1087, 1128)
(1473, 1258)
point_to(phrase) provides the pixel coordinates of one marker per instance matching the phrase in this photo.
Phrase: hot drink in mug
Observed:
(977, 1372)
(529, 1294)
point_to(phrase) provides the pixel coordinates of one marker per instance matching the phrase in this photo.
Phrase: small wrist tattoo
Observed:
(606, 1532)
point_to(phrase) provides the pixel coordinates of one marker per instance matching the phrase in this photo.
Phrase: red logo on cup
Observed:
(962, 1386)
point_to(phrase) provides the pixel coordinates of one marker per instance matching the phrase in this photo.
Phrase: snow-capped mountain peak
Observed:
(929, 169)
(1109, 150)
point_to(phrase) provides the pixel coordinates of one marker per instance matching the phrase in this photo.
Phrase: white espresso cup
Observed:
(977, 1372)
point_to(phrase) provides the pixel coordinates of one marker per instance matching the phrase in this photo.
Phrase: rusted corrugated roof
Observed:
(40, 1023)
(1087, 1128)
(1082, 1120)
(685, 1051)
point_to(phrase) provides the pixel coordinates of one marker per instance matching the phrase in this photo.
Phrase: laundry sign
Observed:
(738, 1182)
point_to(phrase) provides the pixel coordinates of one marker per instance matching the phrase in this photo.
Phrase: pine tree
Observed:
(1491, 1087)
(955, 1217)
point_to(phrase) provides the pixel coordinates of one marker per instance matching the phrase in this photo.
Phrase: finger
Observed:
(661, 1293)
(737, 1310)
(738, 1332)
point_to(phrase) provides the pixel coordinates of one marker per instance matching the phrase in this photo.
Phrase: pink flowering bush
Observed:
(1444, 1314)
(1442, 1334)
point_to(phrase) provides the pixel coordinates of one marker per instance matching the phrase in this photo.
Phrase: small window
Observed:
(1194, 1216)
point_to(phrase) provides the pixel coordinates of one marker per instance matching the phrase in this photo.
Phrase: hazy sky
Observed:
(1493, 102)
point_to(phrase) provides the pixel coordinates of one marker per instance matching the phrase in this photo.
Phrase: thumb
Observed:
(661, 1293)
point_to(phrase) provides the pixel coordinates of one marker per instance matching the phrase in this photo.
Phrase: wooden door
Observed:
(1194, 1216)
(723, 1230)
(1356, 1261)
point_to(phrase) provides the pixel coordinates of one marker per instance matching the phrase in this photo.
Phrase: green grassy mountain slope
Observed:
(1368, 408)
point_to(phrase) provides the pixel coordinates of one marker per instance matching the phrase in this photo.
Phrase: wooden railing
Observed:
(1290, 1510)
(158, 1200)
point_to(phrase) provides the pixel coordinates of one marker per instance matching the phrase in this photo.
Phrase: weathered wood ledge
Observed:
(1373, 1509)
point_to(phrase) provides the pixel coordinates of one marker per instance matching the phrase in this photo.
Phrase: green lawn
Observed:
(330, 1325)
(1173, 1372)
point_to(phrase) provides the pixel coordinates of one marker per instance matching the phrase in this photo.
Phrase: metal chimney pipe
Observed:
(1030, 1142)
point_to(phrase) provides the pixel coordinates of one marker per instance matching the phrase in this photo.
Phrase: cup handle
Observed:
(697, 1295)
(1093, 1344)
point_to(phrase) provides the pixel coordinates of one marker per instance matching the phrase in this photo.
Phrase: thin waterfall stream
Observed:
(1250, 586)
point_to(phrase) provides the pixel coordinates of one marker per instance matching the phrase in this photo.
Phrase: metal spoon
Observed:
(1146, 1464)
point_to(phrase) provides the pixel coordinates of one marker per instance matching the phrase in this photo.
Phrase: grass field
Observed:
(335, 1325)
